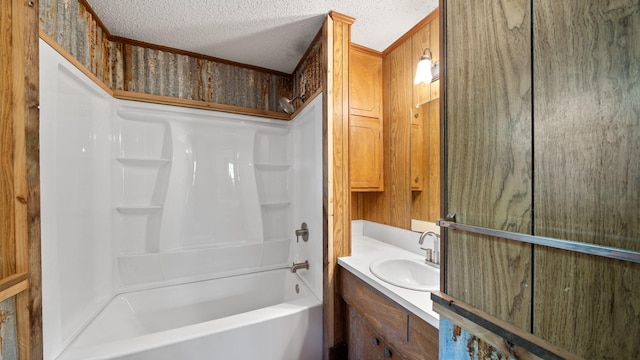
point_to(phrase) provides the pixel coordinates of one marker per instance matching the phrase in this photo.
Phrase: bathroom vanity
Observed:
(383, 320)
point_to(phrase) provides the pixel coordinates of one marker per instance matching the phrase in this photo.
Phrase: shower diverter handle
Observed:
(303, 231)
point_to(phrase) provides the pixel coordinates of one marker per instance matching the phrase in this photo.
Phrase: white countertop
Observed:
(366, 250)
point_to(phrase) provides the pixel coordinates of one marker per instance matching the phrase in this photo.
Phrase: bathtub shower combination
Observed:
(171, 233)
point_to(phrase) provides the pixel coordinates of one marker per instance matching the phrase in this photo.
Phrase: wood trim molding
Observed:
(502, 335)
(197, 104)
(11, 281)
(14, 290)
(336, 16)
(429, 18)
(366, 50)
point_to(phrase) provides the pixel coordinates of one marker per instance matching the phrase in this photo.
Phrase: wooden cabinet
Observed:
(365, 120)
(372, 315)
(363, 343)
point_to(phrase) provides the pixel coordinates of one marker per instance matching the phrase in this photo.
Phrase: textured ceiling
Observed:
(266, 33)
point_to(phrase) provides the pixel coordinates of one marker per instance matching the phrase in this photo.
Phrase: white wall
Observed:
(137, 195)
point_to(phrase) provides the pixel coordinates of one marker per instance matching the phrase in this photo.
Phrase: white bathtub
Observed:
(264, 315)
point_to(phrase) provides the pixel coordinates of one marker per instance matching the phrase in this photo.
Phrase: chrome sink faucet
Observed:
(433, 255)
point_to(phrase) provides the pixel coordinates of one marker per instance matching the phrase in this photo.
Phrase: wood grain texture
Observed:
(7, 198)
(385, 317)
(426, 203)
(435, 40)
(363, 343)
(489, 145)
(336, 143)
(32, 301)
(400, 91)
(422, 341)
(395, 206)
(420, 41)
(365, 86)
(391, 323)
(365, 120)
(587, 183)
(19, 174)
(365, 153)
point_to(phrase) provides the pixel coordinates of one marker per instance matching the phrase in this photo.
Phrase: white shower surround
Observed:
(137, 196)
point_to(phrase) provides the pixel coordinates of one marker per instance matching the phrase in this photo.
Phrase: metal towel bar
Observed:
(576, 246)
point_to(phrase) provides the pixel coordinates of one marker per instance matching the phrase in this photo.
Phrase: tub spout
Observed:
(295, 267)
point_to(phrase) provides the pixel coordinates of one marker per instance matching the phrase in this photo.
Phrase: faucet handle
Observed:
(429, 256)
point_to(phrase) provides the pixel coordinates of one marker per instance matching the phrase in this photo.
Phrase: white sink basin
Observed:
(408, 274)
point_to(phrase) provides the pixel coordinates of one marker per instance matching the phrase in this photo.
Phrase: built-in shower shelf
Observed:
(275, 203)
(143, 162)
(138, 210)
(271, 166)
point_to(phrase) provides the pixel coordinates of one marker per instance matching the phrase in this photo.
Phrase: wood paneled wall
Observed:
(19, 176)
(393, 206)
(425, 204)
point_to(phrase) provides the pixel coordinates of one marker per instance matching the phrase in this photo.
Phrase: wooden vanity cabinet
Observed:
(363, 343)
(371, 315)
(365, 120)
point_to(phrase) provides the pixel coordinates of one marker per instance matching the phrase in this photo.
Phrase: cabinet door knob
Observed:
(375, 341)
(416, 179)
(387, 353)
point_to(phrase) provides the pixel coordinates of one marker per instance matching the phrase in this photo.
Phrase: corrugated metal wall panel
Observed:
(129, 67)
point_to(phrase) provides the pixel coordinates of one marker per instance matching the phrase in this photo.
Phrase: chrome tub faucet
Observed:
(297, 266)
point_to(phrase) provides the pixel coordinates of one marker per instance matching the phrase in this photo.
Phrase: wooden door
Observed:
(489, 144)
(19, 182)
(587, 178)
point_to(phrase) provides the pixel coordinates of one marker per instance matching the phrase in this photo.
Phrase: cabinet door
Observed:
(363, 343)
(365, 83)
(365, 153)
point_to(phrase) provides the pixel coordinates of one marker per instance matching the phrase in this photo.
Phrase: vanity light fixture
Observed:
(427, 71)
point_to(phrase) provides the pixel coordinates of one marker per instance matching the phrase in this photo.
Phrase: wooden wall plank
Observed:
(336, 143)
(488, 140)
(19, 164)
(400, 91)
(419, 42)
(7, 205)
(587, 188)
(394, 205)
